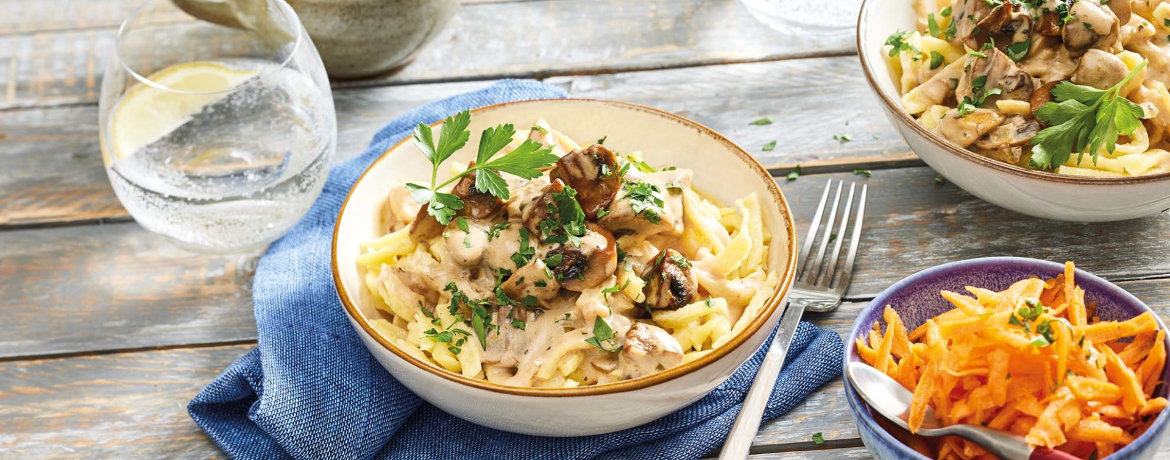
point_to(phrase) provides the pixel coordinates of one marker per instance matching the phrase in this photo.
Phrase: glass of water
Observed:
(804, 17)
(216, 135)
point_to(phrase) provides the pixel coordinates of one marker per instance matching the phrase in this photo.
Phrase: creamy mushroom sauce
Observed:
(1022, 49)
(669, 274)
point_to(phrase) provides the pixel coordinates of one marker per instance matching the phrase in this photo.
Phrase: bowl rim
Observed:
(766, 311)
(864, 417)
(895, 108)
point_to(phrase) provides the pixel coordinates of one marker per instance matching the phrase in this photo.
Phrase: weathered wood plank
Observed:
(119, 272)
(543, 39)
(75, 289)
(55, 168)
(128, 405)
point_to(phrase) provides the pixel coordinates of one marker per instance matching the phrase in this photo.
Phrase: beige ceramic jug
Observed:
(356, 38)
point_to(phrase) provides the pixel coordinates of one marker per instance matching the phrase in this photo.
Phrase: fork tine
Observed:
(847, 270)
(826, 276)
(802, 259)
(818, 261)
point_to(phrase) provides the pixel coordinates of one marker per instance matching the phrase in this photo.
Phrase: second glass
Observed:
(216, 136)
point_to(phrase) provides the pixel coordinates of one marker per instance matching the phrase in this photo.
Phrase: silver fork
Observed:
(814, 289)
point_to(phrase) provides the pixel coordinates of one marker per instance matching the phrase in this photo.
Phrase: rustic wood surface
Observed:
(107, 331)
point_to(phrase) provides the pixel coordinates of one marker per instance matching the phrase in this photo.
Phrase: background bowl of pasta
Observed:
(546, 390)
(919, 298)
(918, 66)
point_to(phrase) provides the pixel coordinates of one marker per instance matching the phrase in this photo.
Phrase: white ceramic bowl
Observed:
(722, 170)
(1035, 193)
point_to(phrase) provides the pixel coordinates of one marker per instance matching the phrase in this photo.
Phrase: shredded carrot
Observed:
(1032, 360)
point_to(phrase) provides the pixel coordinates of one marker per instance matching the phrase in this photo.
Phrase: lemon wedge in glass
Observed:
(147, 113)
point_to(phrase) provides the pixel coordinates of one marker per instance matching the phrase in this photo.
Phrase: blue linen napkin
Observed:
(310, 389)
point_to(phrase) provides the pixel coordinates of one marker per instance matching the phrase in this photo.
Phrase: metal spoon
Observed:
(892, 401)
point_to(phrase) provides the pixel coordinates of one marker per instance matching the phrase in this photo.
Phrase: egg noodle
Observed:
(659, 276)
(1033, 360)
(977, 72)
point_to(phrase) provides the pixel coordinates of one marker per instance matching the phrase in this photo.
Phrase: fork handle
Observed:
(743, 432)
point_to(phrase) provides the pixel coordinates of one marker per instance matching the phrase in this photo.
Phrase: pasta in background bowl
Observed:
(921, 94)
(712, 332)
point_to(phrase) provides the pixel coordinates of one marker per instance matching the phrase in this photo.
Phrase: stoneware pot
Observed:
(356, 38)
(917, 299)
(721, 168)
(1035, 193)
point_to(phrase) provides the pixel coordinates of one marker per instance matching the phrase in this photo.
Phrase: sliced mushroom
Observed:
(477, 204)
(536, 211)
(1014, 132)
(670, 282)
(1048, 25)
(533, 280)
(1122, 9)
(593, 173)
(1100, 69)
(1042, 95)
(1000, 72)
(1003, 24)
(965, 130)
(1091, 26)
(588, 265)
(969, 13)
(648, 349)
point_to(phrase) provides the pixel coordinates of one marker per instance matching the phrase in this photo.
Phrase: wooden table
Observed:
(106, 331)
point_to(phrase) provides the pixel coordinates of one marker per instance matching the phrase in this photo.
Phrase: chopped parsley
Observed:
(794, 174)
(494, 232)
(818, 438)
(978, 95)
(1017, 51)
(863, 172)
(602, 336)
(566, 221)
(646, 200)
(765, 120)
(602, 140)
(898, 41)
(538, 128)
(936, 60)
(940, 180)
(932, 26)
(554, 259)
(946, 12)
(842, 138)
(769, 146)
(614, 289)
(526, 252)
(461, 222)
(681, 261)
(481, 320)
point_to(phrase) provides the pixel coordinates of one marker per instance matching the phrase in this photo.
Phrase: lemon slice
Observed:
(147, 113)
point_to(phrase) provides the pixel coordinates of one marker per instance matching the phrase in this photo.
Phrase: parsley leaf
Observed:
(794, 174)
(494, 232)
(602, 333)
(1085, 120)
(525, 162)
(863, 172)
(646, 200)
(1017, 51)
(936, 60)
(818, 438)
(762, 121)
(898, 41)
(932, 27)
(769, 146)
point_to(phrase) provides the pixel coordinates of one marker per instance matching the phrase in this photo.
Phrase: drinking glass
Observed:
(216, 135)
(804, 17)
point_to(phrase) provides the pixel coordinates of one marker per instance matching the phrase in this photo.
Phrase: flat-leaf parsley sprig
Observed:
(1085, 120)
(525, 161)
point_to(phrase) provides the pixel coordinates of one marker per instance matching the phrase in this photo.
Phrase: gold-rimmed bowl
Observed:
(723, 171)
(1036, 193)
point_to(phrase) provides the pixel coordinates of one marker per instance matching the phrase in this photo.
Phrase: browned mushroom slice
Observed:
(969, 13)
(1003, 24)
(1042, 96)
(1000, 72)
(648, 349)
(1048, 24)
(1014, 132)
(1091, 26)
(593, 173)
(477, 204)
(1123, 11)
(536, 211)
(588, 265)
(670, 281)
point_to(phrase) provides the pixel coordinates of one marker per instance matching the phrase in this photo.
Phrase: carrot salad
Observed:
(1033, 360)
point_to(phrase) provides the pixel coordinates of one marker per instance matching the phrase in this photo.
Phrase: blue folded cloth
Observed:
(310, 389)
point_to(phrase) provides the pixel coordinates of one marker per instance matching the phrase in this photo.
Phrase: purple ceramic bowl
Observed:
(917, 299)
